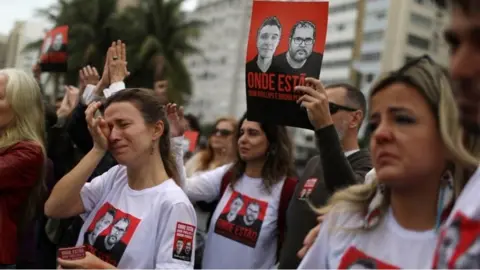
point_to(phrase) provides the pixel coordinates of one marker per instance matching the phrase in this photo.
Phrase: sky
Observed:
(15, 10)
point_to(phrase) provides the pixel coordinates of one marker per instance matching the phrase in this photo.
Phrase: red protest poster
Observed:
(191, 139)
(53, 57)
(285, 45)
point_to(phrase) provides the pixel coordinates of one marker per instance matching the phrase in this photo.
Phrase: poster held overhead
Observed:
(285, 46)
(54, 56)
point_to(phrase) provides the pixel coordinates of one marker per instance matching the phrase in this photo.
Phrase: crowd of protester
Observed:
(106, 169)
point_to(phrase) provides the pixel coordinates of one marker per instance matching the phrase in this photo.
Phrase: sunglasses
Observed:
(334, 108)
(222, 132)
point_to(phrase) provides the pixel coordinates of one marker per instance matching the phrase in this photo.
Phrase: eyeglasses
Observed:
(334, 108)
(222, 132)
(307, 41)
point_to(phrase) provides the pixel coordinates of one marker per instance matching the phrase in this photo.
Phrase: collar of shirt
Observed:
(351, 152)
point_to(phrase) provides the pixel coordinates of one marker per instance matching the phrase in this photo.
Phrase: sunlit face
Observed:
(130, 138)
(268, 40)
(6, 112)
(253, 143)
(160, 88)
(405, 143)
(222, 136)
(301, 43)
(463, 37)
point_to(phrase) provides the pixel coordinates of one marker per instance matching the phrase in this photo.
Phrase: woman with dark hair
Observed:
(151, 212)
(247, 225)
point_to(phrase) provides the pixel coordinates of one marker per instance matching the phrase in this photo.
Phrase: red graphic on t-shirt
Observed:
(356, 259)
(459, 244)
(183, 242)
(109, 233)
(307, 188)
(242, 218)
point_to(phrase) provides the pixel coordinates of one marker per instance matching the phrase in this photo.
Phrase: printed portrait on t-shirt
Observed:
(103, 223)
(183, 242)
(459, 245)
(356, 259)
(109, 233)
(268, 38)
(241, 219)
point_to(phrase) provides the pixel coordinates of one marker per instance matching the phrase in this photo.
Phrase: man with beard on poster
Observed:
(250, 219)
(268, 38)
(111, 244)
(300, 57)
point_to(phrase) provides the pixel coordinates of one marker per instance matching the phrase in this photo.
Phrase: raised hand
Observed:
(97, 126)
(315, 100)
(176, 119)
(69, 102)
(118, 62)
(89, 75)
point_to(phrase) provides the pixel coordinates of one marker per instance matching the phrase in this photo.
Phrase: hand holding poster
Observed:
(53, 57)
(285, 46)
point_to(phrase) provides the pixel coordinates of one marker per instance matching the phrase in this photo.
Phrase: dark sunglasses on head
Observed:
(222, 132)
(334, 108)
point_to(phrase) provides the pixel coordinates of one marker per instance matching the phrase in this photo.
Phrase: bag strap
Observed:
(225, 181)
(286, 195)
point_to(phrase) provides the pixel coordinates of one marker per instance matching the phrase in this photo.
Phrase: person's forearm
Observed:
(71, 184)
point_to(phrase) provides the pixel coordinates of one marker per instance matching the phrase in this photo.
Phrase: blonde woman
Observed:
(220, 150)
(419, 158)
(22, 158)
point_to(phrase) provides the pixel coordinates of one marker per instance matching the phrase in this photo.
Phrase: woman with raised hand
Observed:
(420, 155)
(22, 161)
(136, 215)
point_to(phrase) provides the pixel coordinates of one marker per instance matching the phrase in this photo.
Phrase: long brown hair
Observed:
(152, 111)
(206, 156)
(279, 156)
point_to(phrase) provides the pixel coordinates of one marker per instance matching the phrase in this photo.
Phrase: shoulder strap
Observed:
(225, 182)
(286, 195)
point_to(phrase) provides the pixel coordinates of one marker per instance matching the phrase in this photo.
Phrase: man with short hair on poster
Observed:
(268, 38)
(300, 57)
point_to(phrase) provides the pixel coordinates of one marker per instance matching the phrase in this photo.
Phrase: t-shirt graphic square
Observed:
(109, 233)
(241, 219)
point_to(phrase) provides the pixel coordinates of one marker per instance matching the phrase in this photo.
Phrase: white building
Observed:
(219, 73)
(396, 31)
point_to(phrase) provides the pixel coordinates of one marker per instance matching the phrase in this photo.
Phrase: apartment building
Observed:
(395, 32)
(218, 73)
(3, 50)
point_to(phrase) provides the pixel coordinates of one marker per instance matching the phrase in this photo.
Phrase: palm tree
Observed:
(91, 24)
(159, 29)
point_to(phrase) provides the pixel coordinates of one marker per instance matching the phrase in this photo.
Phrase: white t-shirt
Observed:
(150, 228)
(459, 241)
(388, 246)
(243, 231)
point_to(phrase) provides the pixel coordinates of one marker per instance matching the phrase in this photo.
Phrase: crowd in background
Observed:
(106, 168)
